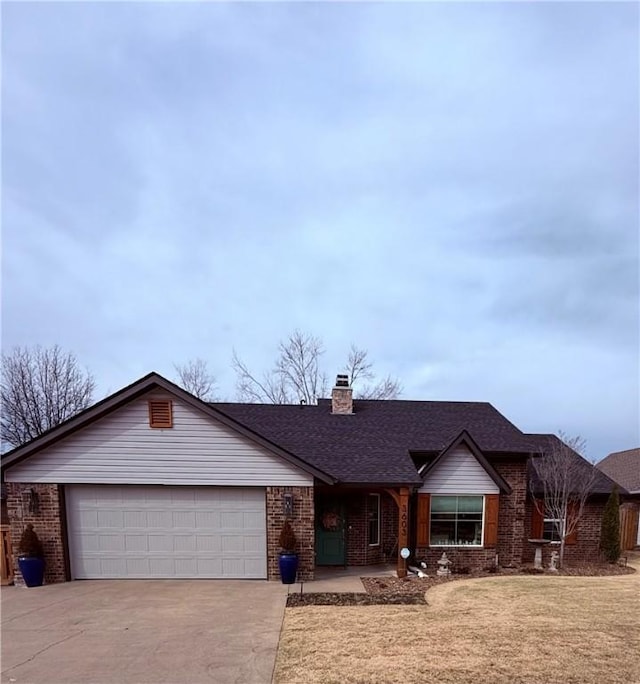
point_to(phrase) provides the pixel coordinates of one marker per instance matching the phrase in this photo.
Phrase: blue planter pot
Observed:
(288, 563)
(32, 570)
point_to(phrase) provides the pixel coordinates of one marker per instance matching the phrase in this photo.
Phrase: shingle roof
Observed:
(373, 444)
(601, 485)
(624, 468)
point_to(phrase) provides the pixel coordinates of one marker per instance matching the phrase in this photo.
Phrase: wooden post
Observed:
(403, 529)
(402, 501)
(6, 558)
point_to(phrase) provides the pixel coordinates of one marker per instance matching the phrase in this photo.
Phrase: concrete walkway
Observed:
(342, 580)
(141, 632)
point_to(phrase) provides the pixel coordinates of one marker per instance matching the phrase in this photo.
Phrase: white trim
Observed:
(379, 511)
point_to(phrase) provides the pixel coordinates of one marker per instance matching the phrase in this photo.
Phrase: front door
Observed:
(330, 529)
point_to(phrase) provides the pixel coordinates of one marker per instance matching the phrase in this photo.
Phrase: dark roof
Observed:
(624, 468)
(601, 485)
(373, 444)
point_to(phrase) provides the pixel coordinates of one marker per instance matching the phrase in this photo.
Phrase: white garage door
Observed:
(159, 531)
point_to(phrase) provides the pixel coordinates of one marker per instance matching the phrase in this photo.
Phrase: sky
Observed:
(454, 187)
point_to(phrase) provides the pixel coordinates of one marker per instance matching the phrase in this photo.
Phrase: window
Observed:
(373, 508)
(160, 413)
(456, 520)
(550, 529)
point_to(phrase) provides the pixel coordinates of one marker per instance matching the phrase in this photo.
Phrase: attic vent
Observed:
(160, 413)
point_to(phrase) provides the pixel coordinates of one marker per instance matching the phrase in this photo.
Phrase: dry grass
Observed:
(515, 630)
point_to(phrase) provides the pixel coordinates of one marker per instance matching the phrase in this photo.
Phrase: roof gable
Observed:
(475, 464)
(134, 391)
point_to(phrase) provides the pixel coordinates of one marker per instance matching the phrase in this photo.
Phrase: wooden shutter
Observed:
(423, 516)
(537, 519)
(160, 413)
(491, 505)
(572, 512)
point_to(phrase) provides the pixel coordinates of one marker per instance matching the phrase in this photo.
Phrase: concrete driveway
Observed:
(139, 631)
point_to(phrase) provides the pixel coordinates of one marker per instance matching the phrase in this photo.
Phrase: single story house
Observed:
(152, 482)
(623, 467)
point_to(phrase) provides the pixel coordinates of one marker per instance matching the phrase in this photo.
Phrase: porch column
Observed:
(401, 497)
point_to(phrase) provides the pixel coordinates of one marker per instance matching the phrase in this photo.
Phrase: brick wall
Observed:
(47, 523)
(358, 550)
(303, 526)
(587, 547)
(462, 559)
(512, 512)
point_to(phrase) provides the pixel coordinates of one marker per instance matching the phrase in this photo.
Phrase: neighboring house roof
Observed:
(601, 485)
(624, 468)
(374, 444)
(136, 389)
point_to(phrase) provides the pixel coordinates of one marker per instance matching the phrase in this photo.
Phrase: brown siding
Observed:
(47, 522)
(303, 526)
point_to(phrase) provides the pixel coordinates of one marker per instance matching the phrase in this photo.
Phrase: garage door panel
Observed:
(137, 532)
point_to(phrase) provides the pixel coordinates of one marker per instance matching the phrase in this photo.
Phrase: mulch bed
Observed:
(411, 590)
(353, 599)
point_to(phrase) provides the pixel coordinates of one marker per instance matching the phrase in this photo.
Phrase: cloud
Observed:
(453, 186)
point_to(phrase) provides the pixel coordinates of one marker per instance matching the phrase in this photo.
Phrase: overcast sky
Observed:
(452, 186)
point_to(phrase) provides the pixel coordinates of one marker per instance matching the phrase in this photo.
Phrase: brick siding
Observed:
(47, 523)
(587, 547)
(358, 550)
(303, 526)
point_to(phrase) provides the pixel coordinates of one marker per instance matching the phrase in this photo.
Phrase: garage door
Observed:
(162, 532)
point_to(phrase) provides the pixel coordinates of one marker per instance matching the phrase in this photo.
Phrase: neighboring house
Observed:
(623, 467)
(153, 482)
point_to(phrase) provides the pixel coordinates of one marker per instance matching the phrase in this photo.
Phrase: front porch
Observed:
(357, 528)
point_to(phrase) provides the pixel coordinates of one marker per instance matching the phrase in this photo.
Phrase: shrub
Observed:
(287, 539)
(30, 544)
(610, 531)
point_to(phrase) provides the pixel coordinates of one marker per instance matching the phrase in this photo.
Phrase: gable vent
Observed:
(160, 413)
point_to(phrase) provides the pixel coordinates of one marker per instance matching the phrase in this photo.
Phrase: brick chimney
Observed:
(342, 396)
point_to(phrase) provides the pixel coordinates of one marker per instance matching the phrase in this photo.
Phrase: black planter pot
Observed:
(32, 569)
(288, 563)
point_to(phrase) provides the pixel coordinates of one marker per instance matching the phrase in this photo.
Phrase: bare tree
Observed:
(561, 483)
(360, 368)
(297, 375)
(41, 388)
(195, 377)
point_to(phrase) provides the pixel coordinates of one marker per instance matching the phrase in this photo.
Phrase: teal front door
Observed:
(330, 528)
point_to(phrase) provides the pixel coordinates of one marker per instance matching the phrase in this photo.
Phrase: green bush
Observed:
(610, 532)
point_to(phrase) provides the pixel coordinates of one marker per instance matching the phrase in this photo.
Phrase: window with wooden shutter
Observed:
(423, 512)
(491, 505)
(572, 512)
(160, 413)
(537, 519)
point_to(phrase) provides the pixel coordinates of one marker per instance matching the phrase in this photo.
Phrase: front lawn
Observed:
(520, 629)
